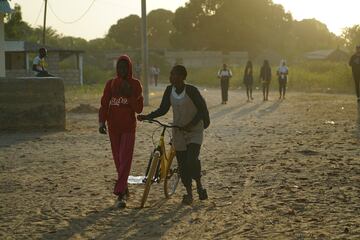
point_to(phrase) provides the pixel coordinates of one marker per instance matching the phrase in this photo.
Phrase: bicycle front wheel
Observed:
(172, 178)
(150, 176)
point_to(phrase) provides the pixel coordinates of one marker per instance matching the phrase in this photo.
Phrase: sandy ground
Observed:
(274, 170)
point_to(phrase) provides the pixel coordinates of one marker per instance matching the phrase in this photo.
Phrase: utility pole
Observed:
(145, 55)
(44, 26)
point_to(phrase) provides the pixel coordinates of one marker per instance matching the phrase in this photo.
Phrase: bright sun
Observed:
(335, 14)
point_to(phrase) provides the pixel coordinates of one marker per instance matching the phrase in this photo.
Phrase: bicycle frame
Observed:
(165, 156)
(159, 166)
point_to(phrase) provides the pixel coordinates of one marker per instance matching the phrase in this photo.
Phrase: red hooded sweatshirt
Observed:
(118, 110)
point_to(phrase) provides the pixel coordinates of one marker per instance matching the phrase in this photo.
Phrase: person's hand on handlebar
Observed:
(102, 128)
(142, 117)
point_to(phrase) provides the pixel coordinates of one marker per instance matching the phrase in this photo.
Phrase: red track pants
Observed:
(122, 146)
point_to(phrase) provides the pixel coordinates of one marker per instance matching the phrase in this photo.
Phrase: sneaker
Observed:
(202, 194)
(126, 195)
(187, 200)
(121, 201)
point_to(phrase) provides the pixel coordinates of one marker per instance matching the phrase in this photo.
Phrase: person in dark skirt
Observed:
(355, 65)
(282, 74)
(265, 77)
(248, 80)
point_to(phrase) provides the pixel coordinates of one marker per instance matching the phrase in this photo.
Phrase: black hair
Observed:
(180, 70)
(266, 63)
(249, 64)
(42, 49)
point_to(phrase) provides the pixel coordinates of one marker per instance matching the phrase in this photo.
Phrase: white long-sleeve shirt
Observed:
(224, 73)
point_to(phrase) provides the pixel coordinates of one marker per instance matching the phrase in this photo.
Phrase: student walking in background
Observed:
(282, 74)
(224, 75)
(248, 80)
(122, 98)
(156, 74)
(355, 65)
(265, 77)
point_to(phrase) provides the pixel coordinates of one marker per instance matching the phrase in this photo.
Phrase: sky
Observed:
(92, 18)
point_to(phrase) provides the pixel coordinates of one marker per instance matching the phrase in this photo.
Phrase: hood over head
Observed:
(117, 81)
(128, 60)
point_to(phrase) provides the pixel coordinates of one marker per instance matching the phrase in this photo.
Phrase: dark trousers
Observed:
(224, 89)
(156, 77)
(189, 163)
(282, 87)
(43, 74)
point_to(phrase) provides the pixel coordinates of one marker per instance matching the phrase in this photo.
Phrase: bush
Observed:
(94, 74)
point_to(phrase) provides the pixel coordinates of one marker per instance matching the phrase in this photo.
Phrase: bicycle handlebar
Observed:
(160, 123)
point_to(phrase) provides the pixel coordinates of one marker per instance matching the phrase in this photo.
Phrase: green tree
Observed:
(127, 32)
(188, 22)
(230, 25)
(159, 27)
(310, 35)
(15, 27)
(351, 37)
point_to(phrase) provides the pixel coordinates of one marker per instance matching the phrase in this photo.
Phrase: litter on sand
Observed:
(136, 179)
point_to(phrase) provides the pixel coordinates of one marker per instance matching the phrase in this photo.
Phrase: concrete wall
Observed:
(200, 59)
(2, 46)
(52, 61)
(69, 76)
(32, 103)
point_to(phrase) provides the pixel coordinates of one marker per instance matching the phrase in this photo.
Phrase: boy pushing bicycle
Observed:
(190, 113)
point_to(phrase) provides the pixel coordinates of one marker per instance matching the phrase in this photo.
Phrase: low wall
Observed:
(32, 103)
(69, 76)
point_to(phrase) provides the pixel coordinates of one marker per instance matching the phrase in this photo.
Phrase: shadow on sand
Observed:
(358, 122)
(224, 111)
(8, 138)
(272, 108)
(135, 223)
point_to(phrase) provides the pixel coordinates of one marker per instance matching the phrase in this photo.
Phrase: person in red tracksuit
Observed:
(122, 98)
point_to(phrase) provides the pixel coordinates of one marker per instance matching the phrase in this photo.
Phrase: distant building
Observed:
(113, 56)
(201, 59)
(190, 59)
(327, 55)
(19, 57)
(272, 56)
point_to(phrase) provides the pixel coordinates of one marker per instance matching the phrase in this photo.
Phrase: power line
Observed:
(37, 18)
(74, 21)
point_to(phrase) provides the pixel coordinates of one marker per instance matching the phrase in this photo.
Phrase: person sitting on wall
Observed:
(39, 64)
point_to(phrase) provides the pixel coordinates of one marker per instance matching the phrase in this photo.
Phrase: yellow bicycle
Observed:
(161, 166)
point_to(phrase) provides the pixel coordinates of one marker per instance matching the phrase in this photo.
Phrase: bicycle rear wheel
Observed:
(172, 178)
(150, 176)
